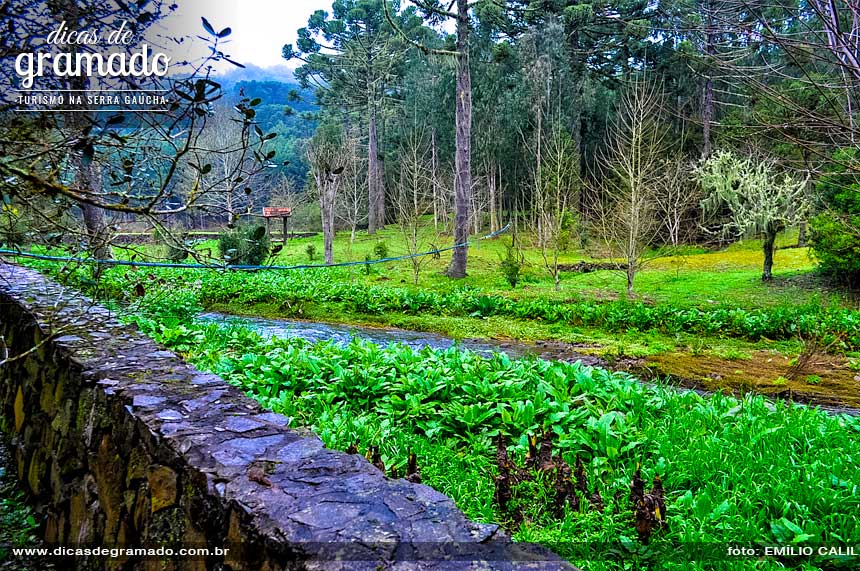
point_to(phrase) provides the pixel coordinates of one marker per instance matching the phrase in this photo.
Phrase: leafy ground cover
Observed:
(745, 471)
(289, 291)
(737, 345)
(17, 521)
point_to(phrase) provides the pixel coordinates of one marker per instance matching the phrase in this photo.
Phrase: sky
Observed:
(260, 27)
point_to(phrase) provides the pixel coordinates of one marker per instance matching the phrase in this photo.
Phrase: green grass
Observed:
(684, 277)
(18, 524)
(345, 292)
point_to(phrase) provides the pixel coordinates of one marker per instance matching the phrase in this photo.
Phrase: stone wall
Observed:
(121, 443)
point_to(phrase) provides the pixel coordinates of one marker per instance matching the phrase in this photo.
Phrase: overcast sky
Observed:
(260, 27)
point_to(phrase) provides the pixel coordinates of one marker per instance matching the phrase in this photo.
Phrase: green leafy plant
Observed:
(511, 265)
(245, 246)
(311, 252)
(380, 250)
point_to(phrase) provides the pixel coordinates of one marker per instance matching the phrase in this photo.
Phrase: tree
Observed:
(328, 160)
(632, 168)
(461, 16)
(835, 232)
(414, 198)
(352, 58)
(224, 144)
(813, 47)
(125, 163)
(758, 201)
(678, 199)
(352, 202)
(556, 193)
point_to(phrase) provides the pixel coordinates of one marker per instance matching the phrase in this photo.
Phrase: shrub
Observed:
(511, 265)
(244, 246)
(380, 250)
(311, 251)
(834, 238)
(176, 246)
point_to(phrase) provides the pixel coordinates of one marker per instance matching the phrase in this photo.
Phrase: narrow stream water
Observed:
(343, 334)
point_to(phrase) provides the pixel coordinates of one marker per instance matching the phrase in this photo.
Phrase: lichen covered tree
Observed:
(752, 198)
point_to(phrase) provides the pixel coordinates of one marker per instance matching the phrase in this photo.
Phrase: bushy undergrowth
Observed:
(247, 245)
(737, 471)
(333, 286)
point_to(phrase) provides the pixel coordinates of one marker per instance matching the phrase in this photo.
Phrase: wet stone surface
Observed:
(121, 442)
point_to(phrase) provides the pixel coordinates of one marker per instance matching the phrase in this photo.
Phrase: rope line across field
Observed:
(132, 263)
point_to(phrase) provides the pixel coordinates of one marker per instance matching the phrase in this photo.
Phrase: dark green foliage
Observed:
(835, 246)
(18, 525)
(293, 127)
(511, 265)
(380, 250)
(244, 246)
(779, 322)
(835, 233)
(177, 247)
(832, 324)
(311, 251)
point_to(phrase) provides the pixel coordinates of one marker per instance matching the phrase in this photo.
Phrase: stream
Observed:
(549, 350)
(343, 334)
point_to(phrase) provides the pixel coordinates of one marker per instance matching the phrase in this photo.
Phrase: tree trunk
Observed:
(631, 277)
(328, 191)
(769, 239)
(374, 194)
(801, 236)
(708, 93)
(88, 179)
(463, 152)
(434, 181)
(491, 183)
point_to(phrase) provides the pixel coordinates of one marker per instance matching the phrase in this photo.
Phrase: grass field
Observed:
(690, 276)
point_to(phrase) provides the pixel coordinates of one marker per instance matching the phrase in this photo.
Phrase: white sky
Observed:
(260, 27)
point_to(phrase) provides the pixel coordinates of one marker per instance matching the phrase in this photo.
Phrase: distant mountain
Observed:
(253, 72)
(285, 109)
(276, 93)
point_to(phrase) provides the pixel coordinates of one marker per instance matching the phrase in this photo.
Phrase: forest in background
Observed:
(634, 124)
(615, 128)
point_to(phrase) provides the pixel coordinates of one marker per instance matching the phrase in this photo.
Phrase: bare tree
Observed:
(556, 194)
(223, 143)
(284, 193)
(633, 174)
(414, 198)
(677, 198)
(328, 160)
(352, 207)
